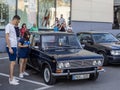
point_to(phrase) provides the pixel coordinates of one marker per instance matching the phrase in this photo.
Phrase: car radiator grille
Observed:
(80, 69)
(81, 64)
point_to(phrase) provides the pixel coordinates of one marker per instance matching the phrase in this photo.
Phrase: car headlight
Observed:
(99, 63)
(63, 64)
(115, 52)
(60, 65)
(67, 64)
(94, 63)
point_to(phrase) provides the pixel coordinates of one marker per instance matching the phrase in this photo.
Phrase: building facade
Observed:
(116, 23)
(42, 12)
(92, 14)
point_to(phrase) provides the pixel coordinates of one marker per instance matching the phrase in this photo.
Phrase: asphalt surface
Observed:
(109, 80)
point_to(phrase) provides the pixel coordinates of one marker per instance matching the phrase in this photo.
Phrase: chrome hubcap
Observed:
(46, 74)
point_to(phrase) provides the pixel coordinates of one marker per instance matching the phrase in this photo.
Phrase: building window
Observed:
(7, 11)
(49, 9)
(27, 10)
(116, 23)
(63, 7)
(46, 13)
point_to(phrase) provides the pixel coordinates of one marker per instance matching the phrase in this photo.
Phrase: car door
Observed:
(35, 51)
(87, 41)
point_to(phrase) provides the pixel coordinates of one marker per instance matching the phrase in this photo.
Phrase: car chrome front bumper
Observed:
(77, 73)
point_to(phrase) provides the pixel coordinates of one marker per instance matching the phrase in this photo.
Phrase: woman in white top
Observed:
(69, 28)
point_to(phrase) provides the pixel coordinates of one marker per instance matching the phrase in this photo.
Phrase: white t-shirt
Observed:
(62, 20)
(69, 28)
(12, 34)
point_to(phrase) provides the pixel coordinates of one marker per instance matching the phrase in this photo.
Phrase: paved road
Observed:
(110, 80)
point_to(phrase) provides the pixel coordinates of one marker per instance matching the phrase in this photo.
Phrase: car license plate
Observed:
(77, 77)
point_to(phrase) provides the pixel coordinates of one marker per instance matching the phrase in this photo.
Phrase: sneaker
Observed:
(25, 73)
(21, 75)
(14, 79)
(13, 82)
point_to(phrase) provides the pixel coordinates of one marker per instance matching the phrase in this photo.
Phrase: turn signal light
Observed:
(58, 71)
(100, 68)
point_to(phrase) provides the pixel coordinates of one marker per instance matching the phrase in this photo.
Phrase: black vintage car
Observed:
(59, 54)
(102, 43)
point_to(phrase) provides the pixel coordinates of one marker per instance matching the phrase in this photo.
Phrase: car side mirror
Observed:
(36, 47)
(83, 41)
(90, 41)
(83, 45)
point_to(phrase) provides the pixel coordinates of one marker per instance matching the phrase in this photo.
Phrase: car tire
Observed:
(105, 63)
(47, 76)
(94, 76)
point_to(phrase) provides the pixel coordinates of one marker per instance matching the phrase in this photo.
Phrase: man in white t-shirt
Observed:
(61, 20)
(11, 41)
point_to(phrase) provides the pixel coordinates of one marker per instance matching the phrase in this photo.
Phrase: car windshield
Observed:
(104, 38)
(60, 42)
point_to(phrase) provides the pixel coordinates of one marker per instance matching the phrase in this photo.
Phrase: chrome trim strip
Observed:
(76, 73)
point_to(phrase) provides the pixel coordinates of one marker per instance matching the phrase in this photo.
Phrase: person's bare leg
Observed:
(21, 65)
(24, 65)
(12, 65)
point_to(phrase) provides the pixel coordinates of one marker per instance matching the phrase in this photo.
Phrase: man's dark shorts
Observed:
(12, 57)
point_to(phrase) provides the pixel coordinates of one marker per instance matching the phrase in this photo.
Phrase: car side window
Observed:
(31, 39)
(36, 41)
(48, 41)
(79, 36)
(85, 37)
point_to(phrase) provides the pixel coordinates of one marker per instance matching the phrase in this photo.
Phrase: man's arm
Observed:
(8, 43)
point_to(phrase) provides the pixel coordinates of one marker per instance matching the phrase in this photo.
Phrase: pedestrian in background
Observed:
(17, 31)
(56, 22)
(56, 28)
(23, 53)
(69, 28)
(61, 20)
(34, 28)
(23, 29)
(63, 27)
(11, 41)
(18, 35)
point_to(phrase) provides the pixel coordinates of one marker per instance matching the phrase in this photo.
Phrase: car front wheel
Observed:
(105, 63)
(48, 78)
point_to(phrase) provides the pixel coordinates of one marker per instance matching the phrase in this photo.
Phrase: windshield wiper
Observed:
(62, 47)
(70, 46)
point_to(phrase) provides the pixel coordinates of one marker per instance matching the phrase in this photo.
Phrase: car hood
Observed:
(112, 45)
(77, 55)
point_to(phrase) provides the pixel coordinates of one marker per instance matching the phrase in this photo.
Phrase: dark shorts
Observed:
(12, 57)
(23, 53)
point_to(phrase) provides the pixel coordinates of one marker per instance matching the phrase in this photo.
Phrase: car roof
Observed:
(49, 32)
(92, 32)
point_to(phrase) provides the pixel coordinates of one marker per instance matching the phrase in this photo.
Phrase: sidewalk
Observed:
(3, 55)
